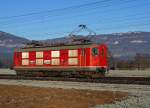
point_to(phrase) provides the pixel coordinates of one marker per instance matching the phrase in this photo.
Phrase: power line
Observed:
(99, 29)
(96, 7)
(114, 19)
(54, 10)
(110, 26)
(138, 24)
(73, 16)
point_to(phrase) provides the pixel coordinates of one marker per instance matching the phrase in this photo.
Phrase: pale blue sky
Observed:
(38, 19)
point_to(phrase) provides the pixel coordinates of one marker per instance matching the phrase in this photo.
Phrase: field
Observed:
(74, 93)
(7, 71)
(35, 97)
(129, 73)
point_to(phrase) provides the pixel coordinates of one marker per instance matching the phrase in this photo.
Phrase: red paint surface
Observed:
(84, 58)
(32, 58)
(17, 58)
(47, 56)
(64, 57)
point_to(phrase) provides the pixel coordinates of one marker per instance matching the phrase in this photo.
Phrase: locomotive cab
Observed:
(99, 60)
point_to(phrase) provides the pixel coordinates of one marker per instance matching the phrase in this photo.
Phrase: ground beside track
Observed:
(7, 71)
(79, 85)
(12, 96)
(129, 73)
(139, 94)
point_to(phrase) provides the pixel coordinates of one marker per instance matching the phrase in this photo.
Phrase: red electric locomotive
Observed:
(86, 59)
(73, 60)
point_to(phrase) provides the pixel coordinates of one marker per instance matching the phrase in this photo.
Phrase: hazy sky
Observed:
(46, 19)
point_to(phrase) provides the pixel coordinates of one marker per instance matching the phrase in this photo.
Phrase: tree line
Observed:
(139, 61)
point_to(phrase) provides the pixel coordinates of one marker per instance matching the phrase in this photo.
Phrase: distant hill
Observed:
(121, 45)
(126, 44)
(8, 42)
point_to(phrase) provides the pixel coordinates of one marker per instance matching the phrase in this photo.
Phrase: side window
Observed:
(55, 54)
(94, 51)
(73, 53)
(39, 54)
(39, 61)
(39, 58)
(25, 55)
(25, 58)
(73, 61)
(25, 62)
(56, 61)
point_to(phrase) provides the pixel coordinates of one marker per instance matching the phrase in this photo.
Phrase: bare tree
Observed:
(142, 61)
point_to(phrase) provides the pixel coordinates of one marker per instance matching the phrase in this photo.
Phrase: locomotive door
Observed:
(83, 57)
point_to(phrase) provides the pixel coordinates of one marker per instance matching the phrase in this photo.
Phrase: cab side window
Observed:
(95, 51)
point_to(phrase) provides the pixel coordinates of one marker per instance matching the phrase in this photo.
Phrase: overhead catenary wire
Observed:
(55, 10)
(70, 24)
(41, 20)
(65, 33)
(49, 16)
(121, 19)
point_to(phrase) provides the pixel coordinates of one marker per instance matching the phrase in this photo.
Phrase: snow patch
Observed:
(117, 34)
(138, 41)
(10, 40)
(116, 42)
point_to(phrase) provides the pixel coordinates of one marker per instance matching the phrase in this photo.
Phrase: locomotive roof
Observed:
(56, 47)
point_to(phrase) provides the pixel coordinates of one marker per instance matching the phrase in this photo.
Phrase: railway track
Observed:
(111, 80)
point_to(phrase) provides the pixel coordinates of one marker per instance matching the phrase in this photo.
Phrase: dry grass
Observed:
(7, 71)
(32, 97)
(126, 73)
